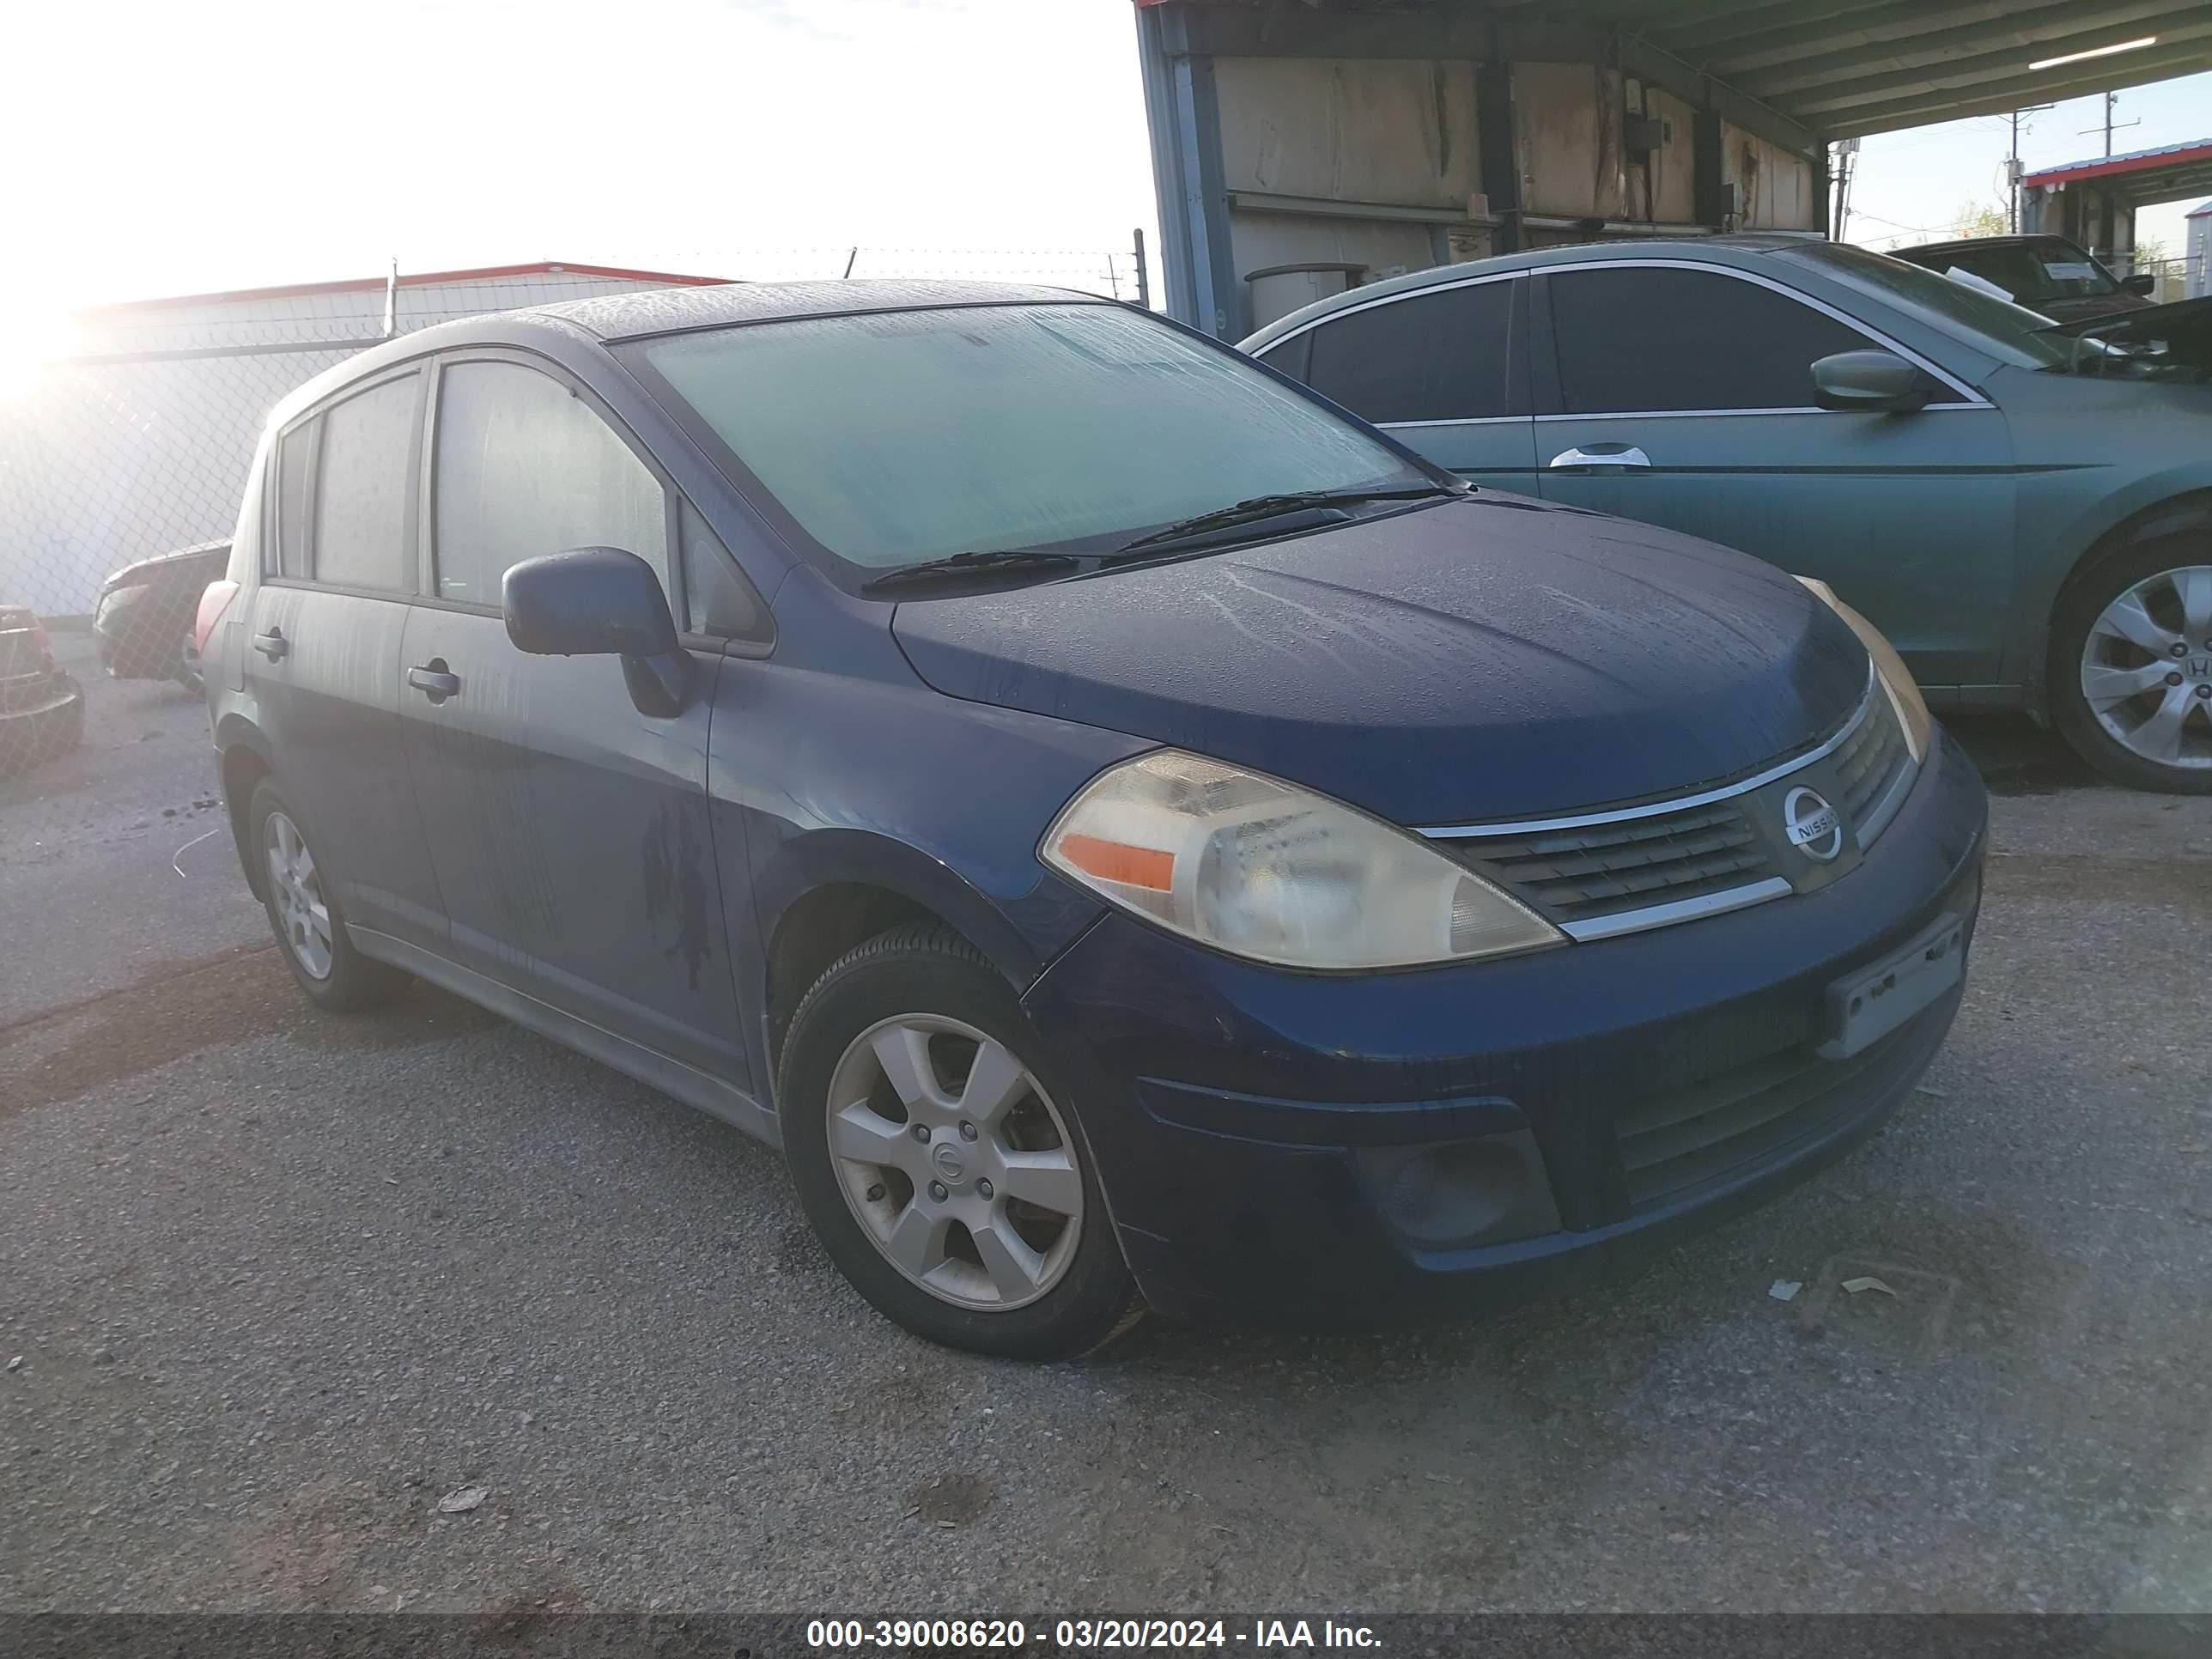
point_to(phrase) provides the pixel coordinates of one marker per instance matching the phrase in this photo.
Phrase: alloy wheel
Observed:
(303, 913)
(958, 1166)
(2147, 668)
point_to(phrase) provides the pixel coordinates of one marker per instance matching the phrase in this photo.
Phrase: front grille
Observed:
(1598, 870)
(1756, 1113)
(1868, 762)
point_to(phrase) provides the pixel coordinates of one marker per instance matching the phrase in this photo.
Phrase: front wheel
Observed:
(2131, 670)
(940, 1162)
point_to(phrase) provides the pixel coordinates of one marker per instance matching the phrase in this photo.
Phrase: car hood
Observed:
(1493, 658)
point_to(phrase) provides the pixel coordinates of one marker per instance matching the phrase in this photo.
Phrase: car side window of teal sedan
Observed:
(2026, 513)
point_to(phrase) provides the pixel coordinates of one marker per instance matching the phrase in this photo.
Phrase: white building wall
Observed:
(2196, 254)
(105, 463)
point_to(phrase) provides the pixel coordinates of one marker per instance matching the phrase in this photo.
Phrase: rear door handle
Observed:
(273, 645)
(434, 681)
(1601, 455)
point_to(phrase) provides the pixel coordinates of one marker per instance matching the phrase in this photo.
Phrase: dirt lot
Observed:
(278, 1282)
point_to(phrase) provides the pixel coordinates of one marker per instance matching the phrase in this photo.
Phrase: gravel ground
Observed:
(280, 1281)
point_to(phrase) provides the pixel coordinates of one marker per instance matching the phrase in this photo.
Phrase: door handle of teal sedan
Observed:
(1600, 455)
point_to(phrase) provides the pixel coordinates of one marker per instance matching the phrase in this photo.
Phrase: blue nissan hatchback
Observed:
(1130, 834)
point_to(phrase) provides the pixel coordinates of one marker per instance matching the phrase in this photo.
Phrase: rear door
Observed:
(569, 831)
(322, 649)
(1444, 368)
(1682, 395)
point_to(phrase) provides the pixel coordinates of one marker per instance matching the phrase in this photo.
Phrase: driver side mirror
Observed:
(600, 602)
(1879, 382)
(2143, 283)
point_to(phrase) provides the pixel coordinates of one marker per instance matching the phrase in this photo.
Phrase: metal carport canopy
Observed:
(2172, 173)
(1843, 68)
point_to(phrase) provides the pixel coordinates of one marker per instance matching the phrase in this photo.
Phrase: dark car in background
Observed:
(41, 708)
(2064, 281)
(1128, 832)
(144, 619)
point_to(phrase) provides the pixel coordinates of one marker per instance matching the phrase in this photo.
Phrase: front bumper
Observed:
(1247, 1122)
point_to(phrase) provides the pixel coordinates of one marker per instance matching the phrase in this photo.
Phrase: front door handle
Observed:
(434, 681)
(1601, 455)
(273, 645)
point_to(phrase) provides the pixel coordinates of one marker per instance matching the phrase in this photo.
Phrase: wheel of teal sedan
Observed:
(305, 915)
(941, 1164)
(2131, 670)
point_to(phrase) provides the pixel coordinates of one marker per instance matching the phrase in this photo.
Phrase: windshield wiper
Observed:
(1257, 508)
(960, 564)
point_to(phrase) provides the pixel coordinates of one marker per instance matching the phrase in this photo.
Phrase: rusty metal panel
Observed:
(1569, 118)
(1349, 129)
(1775, 189)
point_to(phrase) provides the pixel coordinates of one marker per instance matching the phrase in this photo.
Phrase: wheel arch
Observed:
(2187, 511)
(835, 889)
(242, 760)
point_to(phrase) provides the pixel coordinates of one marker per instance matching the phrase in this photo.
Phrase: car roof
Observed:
(668, 310)
(1743, 250)
(608, 318)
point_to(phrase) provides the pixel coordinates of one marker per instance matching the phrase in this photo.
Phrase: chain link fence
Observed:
(121, 464)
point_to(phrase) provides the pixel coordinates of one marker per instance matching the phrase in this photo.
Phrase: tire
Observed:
(1018, 1277)
(337, 976)
(2160, 590)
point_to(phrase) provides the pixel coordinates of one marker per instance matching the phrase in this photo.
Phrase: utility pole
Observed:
(1847, 155)
(2014, 172)
(2111, 104)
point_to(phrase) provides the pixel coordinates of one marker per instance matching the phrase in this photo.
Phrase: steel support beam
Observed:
(1179, 109)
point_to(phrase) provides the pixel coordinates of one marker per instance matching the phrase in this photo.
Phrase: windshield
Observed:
(2007, 332)
(2031, 272)
(898, 437)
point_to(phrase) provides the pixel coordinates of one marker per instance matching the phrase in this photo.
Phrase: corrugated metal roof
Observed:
(1845, 67)
(2172, 172)
(2135, 160)
(407, 279)
(2201, 210)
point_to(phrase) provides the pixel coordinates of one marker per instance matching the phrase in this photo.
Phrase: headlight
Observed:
(1896, 678)
(1265, 870)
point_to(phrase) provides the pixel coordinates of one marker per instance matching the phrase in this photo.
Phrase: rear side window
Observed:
(1445, 356)
(524, 467)
(295, 495)
(1653, 338)
(362, 490)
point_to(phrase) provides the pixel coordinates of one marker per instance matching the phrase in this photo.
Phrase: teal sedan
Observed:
(2025, 512)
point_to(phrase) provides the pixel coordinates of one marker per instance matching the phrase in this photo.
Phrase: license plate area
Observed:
(1866, 1007)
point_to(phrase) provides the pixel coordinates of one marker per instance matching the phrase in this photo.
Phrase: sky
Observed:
(1911, 185)
(260, 142)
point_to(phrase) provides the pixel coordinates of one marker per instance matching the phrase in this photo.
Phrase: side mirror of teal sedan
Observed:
(2023, 507)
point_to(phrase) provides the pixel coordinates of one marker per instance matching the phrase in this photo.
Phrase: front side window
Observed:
(361, 496)
(899, 437)
(524, 466)
(1637, 338)
(1444, 355)
(2008, 332)
(718, 599)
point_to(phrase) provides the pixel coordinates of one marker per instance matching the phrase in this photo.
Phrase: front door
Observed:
(1682, 396)
(570, 831)
(1442, 369)
(323, 647)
